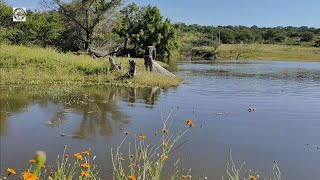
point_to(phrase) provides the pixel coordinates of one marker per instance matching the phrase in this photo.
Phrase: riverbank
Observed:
(26, 65)
(269, 52)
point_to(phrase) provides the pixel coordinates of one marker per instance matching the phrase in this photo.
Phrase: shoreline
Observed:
(33, 65)
(270, 52)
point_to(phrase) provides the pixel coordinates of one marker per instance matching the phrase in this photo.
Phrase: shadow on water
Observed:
(97, 107)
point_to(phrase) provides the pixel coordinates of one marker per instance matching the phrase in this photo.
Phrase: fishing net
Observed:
(159, 69)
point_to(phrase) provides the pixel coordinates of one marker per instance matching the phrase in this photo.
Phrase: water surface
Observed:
(216, 94)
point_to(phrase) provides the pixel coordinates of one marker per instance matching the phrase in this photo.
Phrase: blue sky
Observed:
(263, 13)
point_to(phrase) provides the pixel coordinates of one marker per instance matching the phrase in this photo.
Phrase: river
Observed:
(216, 95)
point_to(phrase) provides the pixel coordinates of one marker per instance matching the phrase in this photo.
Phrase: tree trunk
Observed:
(89, 34)
(114, 65)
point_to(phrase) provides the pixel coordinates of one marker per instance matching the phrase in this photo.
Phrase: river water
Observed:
(216, 95)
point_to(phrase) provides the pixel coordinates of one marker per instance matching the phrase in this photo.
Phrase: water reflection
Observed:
(96, 108)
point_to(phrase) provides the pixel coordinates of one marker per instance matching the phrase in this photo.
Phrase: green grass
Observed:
(269, 52)
(33, 65)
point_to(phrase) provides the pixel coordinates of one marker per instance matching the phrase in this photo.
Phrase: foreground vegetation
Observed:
(25, 65)
(138, 156)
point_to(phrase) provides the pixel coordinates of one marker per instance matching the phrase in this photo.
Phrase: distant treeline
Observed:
(242, 34)
(109, 26)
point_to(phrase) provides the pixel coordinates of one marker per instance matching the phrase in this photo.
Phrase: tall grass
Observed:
(32, 65)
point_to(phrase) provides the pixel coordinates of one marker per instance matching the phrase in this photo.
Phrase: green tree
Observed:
(244, 36)
(86, 15)
(143, 26)
(274, 35)
(307, 36)
(227, 36)
(317, 43)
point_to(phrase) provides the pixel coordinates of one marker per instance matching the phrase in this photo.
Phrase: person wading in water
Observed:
(151, 54)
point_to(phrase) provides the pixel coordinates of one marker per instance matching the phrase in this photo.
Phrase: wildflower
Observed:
(32, 161)
(165, 144)
(11, 171)
(165, 157)
(142, 136)
(122, 174)
(132, 177)
(127, 133)
(85, 173)
(86, 153)
(164, 130)
(85, 165)
(131, 155)
(78, 156)
(132, 165)
(189, 122)
(43, 166)
(183, 177)
(252, 178)
(66, 155)
(121, 158)
(29, 176)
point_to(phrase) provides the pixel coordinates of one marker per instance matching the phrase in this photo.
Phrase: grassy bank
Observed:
(269, 52)
(25, 65)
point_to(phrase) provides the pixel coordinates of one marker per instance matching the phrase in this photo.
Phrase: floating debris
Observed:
(50, 123)
(252, 109)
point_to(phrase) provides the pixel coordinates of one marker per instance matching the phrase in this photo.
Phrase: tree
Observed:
(227, 36)
(143, 26)
(127, 25)
(317, 43)
(86, 15)
(274, 35)
(307, 36)
(244, 36)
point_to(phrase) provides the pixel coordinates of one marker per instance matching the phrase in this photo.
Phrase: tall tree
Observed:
(85, 14)
(143, 26)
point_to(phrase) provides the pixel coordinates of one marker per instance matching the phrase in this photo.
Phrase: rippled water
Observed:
(216, 95)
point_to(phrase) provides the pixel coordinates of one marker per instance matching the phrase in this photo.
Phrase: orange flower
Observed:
(43, 166)
(252, 178)
(164, 130)
(66, 155)
(29, 176)
(165, 157)
(32, 161)
(11, 171)
(132, 177)
(189, 122)
(165, 144)
(85, 173)
(121, 158)
(142, 136)
(85, 165)
(78, 156)
(86, 153)
(127, 133)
